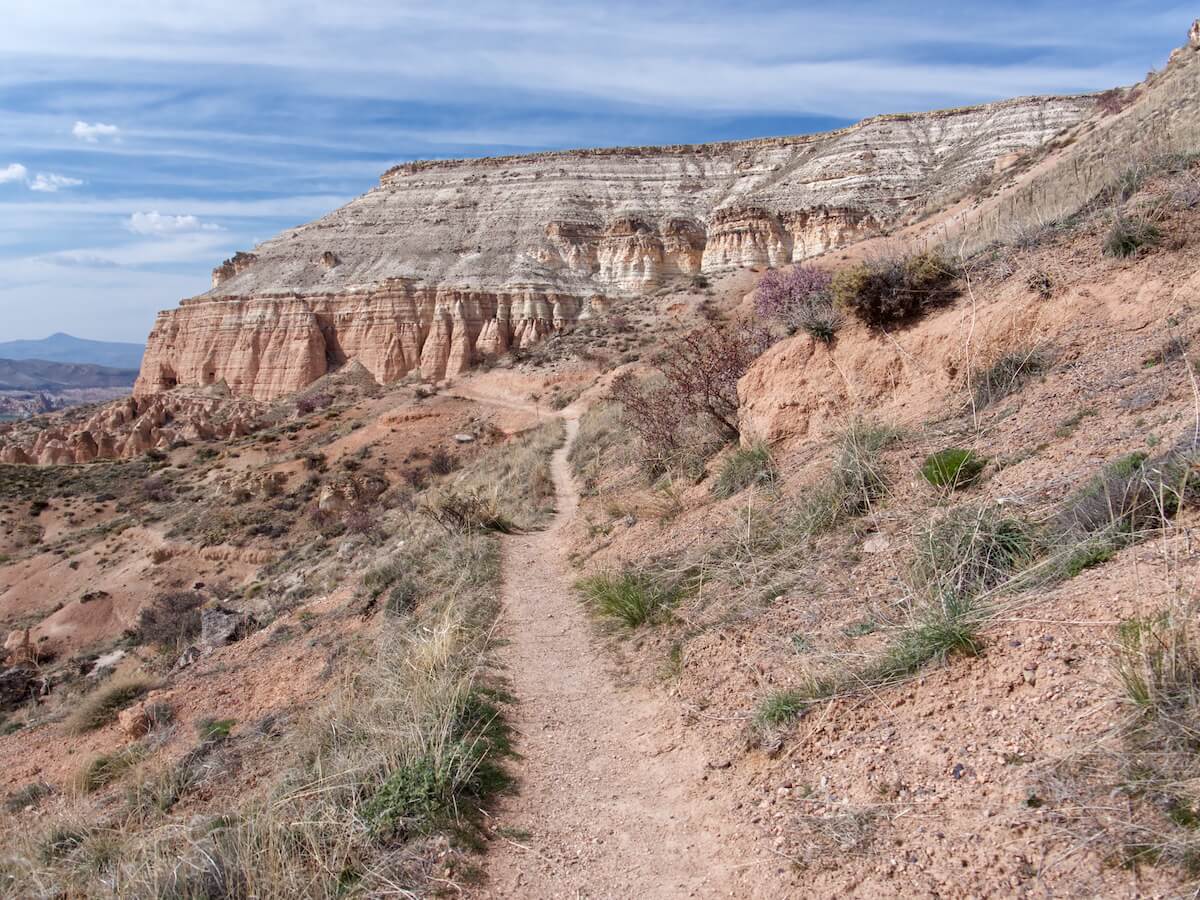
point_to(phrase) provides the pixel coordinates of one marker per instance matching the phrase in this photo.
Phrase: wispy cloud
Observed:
(51, 183)
(156, 223)
(92, 134)
(262, 114)
(13, 172)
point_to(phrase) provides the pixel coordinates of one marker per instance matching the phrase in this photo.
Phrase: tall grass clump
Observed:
(514, 478)
(629, 598)
(743, 468)
(1130, 233)
(855, 481)
(100, 707)
(1135, 790)
(600, 442)
(1129, 498)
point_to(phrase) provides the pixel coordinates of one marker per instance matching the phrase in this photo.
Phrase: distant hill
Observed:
(63, 348)
(44, 375)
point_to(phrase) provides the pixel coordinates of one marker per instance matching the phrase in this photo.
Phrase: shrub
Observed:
(313, 402)
(467, 511)
(701, 372)
(101, 706)
(402, 598)
(631, 598)
(894, 290)
(744, 467)
(799, 298)
(171, 622)
(1006, 375)
(442, 462)
(1129, 234)
(952, 468)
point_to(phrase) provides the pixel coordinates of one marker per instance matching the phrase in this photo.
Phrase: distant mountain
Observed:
(43, 375)
(64, 348)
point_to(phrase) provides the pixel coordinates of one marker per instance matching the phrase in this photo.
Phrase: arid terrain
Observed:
(803, 517)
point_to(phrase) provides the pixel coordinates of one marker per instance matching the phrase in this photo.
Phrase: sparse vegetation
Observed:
(743, 468)
(171, 622)
(464, 512)
(1006, 375)
(893, 290)
(799, 298)
(106, 768)
(854, 483)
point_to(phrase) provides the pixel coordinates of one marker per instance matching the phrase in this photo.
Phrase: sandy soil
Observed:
(613, 798)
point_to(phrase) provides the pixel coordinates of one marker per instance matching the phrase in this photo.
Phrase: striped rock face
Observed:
(447, 263)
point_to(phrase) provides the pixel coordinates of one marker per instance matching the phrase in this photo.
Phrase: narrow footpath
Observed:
(613, 799)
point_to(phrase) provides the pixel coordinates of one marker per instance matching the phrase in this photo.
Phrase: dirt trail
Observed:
(613, 799)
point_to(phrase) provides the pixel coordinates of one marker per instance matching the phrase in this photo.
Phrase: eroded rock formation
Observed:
(448, 262)
(130, 427)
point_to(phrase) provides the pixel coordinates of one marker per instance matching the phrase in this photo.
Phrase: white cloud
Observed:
(13, 172)
(50, 183)
(93, 133)
(156, 223)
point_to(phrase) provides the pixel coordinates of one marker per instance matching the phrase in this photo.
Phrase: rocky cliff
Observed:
(448, 262)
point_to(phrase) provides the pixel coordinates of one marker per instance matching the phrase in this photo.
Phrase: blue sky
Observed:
(143, 141)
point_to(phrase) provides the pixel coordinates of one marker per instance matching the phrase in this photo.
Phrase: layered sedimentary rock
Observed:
(130, 427)
(448, 262)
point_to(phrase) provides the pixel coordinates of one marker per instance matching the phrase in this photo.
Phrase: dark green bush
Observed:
(894, 290)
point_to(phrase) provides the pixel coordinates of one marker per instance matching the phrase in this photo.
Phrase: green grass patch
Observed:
(631, 598)
(952, 468)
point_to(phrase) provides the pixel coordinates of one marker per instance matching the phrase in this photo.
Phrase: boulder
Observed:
(220, 626)
(17, 686)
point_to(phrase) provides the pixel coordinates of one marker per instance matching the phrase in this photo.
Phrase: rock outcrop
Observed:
(131, 427)
(450, 262)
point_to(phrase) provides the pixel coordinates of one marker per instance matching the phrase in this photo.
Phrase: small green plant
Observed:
(744, 467)
(631, 598)
(211, 731)
(782, 707)
(944, 630)
(952, 468)
(100, 707)
(1129, 234)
